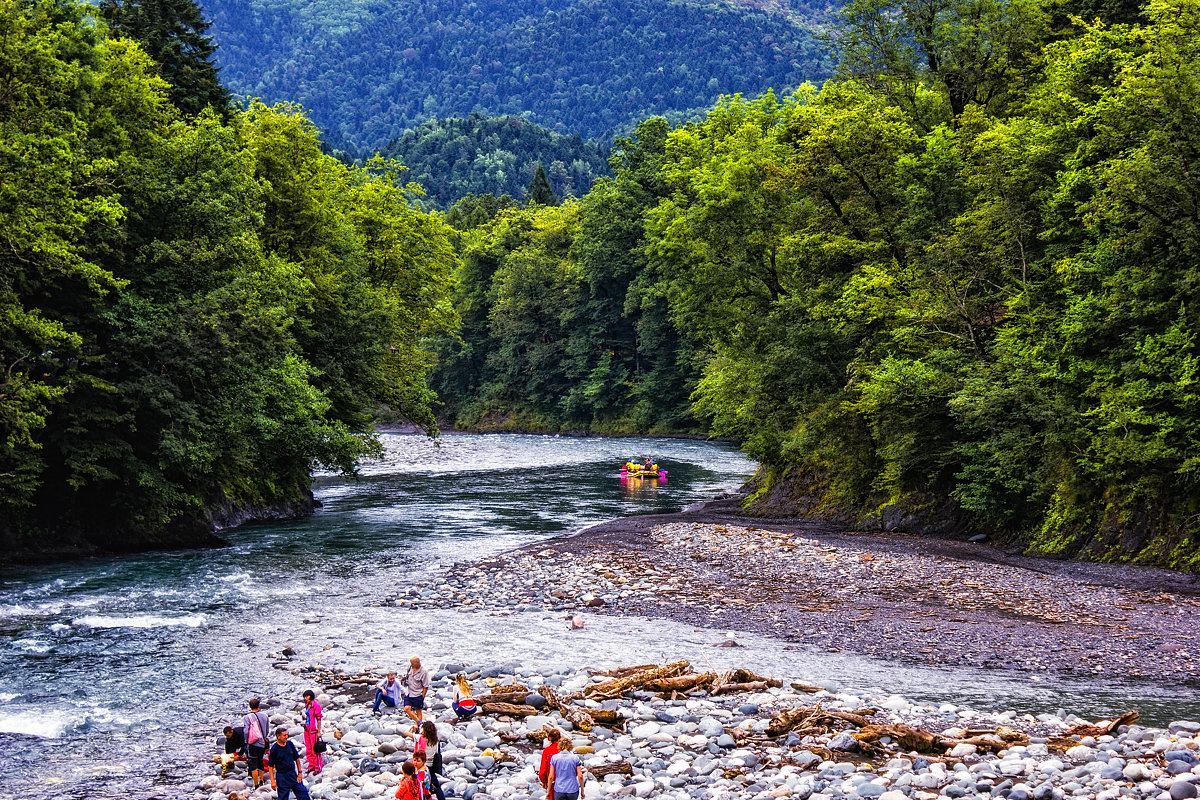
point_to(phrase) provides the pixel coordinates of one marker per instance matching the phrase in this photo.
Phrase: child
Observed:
(410, 787)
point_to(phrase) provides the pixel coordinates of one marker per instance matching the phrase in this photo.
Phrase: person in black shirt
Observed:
(286, 773)
(235, 748)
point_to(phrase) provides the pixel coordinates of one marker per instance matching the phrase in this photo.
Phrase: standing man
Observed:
(387, 691)
(416, 684)
(255, 730)
(286, 775)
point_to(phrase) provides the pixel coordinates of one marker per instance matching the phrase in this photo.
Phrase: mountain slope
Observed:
(369, 69)
(493, 155)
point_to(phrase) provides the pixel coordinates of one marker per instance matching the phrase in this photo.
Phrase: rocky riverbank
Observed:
(895, 597)
(701, 747)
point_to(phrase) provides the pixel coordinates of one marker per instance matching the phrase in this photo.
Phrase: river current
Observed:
(117, 674)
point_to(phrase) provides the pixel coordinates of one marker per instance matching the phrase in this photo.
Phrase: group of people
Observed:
(280, 759)
(561, 771)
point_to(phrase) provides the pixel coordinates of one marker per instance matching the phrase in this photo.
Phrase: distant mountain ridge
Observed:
(367, 70)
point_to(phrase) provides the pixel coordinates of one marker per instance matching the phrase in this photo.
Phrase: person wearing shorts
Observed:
(256, 728)
(416, 685)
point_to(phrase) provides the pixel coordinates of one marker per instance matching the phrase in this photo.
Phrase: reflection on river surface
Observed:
(116, 674)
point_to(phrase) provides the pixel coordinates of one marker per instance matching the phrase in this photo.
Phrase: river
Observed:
(116, 674)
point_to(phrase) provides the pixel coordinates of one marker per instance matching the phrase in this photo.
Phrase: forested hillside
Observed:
(369, 70)
(956, 286)
(452, 158)
(195, 308)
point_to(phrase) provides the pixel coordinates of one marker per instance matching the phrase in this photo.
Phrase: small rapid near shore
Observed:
(117, 674)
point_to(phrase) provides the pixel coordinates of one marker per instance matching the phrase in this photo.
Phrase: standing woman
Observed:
(428, 743)
(312, 730)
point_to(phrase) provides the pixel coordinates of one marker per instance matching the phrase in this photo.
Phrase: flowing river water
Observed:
(116, 674)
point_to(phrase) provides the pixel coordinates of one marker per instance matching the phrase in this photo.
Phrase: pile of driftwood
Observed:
(886, 739)
(675, 678)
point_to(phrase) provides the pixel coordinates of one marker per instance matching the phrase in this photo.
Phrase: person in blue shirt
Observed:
(287, 777)
(566, 773)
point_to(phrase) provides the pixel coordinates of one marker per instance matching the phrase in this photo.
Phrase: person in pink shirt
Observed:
(312, 730)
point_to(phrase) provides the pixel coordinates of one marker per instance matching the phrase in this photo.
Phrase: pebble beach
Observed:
(891, 597)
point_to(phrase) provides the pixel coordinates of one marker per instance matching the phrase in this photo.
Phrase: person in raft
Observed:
(312, 731)
(388, 692)
(463, 704)
(548, 752)
(566, 773)
(287, 777)
(256, 728)
(410, 787)
(416, 684)
(428, 745)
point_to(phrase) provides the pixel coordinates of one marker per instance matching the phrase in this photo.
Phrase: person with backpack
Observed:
(255, 727)
(287, 777)
(312, 731)
(416, 685)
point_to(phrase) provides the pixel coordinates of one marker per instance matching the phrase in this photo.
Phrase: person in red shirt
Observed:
(410, 786)
(551, 749)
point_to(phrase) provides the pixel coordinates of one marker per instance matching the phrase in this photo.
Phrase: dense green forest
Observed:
(957, 283)
(452, 158)
(370, 70)
(195, 309)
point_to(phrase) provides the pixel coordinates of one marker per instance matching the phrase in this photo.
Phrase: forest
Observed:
(197, 306)
(955, 286)
(950, 289)
(369, 71)
(477, 155)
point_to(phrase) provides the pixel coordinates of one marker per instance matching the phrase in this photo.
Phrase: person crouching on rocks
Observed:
(550, 751)
(388, 692)
(463, 704)
(410, 787)
(312, 730)
(566, 773)
(235, 748)
(287, 776)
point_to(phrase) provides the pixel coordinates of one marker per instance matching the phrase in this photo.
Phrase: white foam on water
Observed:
(142, 621)
(36, 722)
(32, 646)
(7, 696)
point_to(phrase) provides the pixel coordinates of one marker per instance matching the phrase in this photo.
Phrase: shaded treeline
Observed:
(195, 308)
(958, 280)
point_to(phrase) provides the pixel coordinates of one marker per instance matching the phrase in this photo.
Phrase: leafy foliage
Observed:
(193, 311)
(369, 71)
(480, 155)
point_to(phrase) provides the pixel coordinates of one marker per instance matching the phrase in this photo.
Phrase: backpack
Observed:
(256, 734)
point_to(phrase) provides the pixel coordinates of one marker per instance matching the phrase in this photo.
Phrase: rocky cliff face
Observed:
(798, 494)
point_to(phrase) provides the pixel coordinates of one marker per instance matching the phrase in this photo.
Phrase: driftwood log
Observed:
(1105, 727)
(619, 768)
(674, 677)
(634, 680)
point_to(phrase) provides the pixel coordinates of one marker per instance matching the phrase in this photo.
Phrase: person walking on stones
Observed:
(410, 786)
(256, 728)
(388, 692)
(313, 717)
(549, 752)
(416, 684)
(287, 777)
(566, 773)
(428, 744)
(463, 704)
